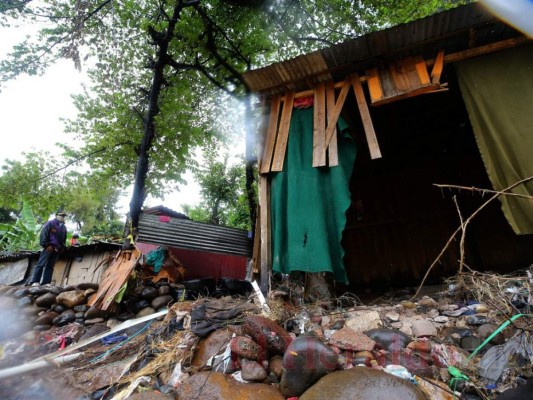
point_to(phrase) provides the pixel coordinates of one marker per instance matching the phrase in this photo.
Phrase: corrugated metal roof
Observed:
(13, 273)
(454, 30)
(187, 234)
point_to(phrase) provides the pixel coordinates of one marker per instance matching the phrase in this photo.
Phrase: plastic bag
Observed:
(517, 352)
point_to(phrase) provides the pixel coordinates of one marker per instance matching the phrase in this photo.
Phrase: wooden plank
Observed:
(319, 126)
(421, 70)
(399, 77)
(481, 50)
(333, 154)
(270, 140)
(266, 246)
(374, 84)
(256, 252)
(437, 67)
(371, 138)
(283, 133)
(332, 119)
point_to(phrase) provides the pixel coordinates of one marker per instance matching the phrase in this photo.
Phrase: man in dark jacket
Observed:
(53, 238)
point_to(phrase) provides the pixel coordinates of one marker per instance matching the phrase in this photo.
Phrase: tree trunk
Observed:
(250, 161)
(141, 169)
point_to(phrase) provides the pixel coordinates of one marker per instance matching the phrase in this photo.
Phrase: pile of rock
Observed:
(402, 349)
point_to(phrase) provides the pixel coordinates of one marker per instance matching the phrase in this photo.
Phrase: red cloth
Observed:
(303, 102)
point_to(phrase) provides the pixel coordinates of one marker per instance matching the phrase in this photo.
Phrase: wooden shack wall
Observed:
(399, 221)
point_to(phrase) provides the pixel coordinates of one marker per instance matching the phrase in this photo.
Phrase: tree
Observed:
(223, 191)
(44, 186)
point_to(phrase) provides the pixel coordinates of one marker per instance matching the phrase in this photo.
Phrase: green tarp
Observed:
(308, 205)
(498, 93)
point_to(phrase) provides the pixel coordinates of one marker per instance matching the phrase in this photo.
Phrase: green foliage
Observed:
(110, 231)
(23, 234)
(223, 192)
(88, 198)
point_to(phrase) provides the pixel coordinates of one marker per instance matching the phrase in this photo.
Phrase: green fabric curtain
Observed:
(498, 93)
(308, 205)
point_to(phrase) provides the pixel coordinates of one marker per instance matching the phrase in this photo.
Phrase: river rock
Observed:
(217, 386)
(389, 339)
(149, 293)
(71, 298)
(361, 321)
(144, 312)
(275, 365)
(215, 343)
(94, 321)
(252, 371)
(306, 360)
(161, 301)
(45, 300)
(88, 285)
(64, 318)
(38, 290)
(485, 330)
(94, 312)
(245, 347)
(24, 301)
(422, 327)
(348, 339)
(58, 308)
(427, 302)
(47, 318)
(362, 383)
(164, 290)
(83, 308)
(267, 333)
(20, 293)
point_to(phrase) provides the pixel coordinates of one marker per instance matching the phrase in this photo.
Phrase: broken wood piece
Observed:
(272, 131)
(283, 133)
(319, 126)
(334, 117)
(114, 278)
(370, 134)
(437, 67)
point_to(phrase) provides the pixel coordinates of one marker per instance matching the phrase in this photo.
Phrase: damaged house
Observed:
(358, 135)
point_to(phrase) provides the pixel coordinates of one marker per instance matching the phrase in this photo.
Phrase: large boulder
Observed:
(362, 383)
(71, 298)
(306, 360)
(217, 386)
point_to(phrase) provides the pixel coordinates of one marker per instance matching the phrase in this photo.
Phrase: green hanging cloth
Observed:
(156, 258)
(308, 205)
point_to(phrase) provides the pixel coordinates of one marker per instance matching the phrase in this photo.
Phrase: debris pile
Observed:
(470, 340)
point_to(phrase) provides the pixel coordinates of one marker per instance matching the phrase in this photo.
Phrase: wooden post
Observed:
(371, 138)
(266, 248)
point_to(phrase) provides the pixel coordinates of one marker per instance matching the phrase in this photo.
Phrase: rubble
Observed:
(457, 343)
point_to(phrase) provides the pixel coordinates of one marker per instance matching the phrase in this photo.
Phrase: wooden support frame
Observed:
(283, 133)
(319, 126)
(370, 134)
(266, 244)
(272, 132)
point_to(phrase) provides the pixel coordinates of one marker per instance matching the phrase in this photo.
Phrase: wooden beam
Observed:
(374, 84)
(481, 50)
(437, 67)
(319, 126)
(272, 130)
(370, 134)
(283, 133)
(332, 119)
(333, 153)
(266, 246)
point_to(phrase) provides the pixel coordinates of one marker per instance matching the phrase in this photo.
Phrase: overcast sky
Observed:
(31, 108)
